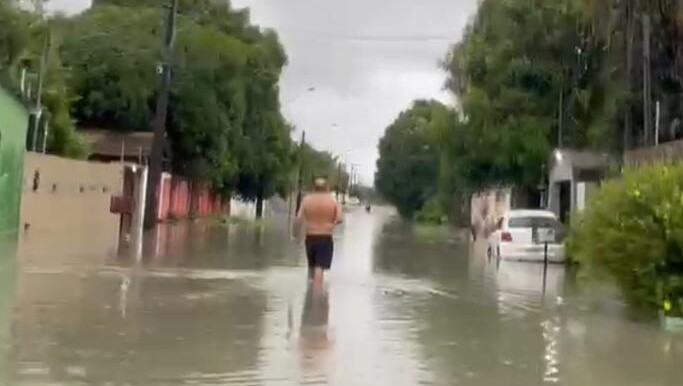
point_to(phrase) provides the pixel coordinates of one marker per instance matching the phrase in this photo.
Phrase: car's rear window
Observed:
(533, 222)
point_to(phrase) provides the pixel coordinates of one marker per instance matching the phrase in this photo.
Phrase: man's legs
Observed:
(318, 278)
(310, 256)
(323, 260)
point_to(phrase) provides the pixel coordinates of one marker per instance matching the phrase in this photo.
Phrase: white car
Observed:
(521, 235)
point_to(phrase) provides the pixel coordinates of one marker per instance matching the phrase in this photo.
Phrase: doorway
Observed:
(565, 188)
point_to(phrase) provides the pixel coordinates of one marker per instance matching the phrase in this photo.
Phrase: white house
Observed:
(573, 176)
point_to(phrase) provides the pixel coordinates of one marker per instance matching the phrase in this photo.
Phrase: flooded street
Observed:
(218, 304)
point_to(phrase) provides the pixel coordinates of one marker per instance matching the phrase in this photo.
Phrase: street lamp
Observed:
(558, 155)
(299, 194)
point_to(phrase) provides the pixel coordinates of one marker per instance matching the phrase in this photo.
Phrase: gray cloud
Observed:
(68, 6)
(368, 59)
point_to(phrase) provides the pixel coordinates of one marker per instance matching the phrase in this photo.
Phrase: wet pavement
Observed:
(218, 304)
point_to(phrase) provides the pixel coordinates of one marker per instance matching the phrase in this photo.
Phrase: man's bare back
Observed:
(320, 213)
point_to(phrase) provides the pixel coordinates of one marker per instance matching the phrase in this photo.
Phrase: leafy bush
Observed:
(431, 213)
(633, 229)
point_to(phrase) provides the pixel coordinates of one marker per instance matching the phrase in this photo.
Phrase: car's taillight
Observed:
(506, 237)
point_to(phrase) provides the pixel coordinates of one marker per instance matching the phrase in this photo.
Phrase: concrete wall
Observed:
(247, 209)
(13, 126)
(70, 194)
(70, 203)
(665, 153)
(242, 209)
(487, 207)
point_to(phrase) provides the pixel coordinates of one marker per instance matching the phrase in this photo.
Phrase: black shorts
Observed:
(319, 250)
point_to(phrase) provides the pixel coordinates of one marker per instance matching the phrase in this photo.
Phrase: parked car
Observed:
(521, 235)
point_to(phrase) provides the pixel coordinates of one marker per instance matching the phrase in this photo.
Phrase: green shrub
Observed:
(432, 213)
(633, 229)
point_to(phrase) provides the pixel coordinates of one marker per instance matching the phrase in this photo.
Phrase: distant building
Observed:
(14, 120)
(118, 146)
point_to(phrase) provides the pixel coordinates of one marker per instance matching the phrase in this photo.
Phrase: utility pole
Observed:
(353, 179)
(647, 76)
(560, 120)
(42, 69)
(352, 183)
(339, 180)
(346, 184)
(300, 183)
(159, 141)
(628, 113)
(657, 119)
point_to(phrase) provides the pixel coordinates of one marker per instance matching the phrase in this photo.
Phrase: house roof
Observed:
(113, 143)
(581, 159)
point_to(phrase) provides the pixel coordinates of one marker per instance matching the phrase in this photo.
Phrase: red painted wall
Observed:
(176, 200)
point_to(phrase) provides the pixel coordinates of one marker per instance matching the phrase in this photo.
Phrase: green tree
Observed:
(265, 144)
(207, 106)
(113, 54)
(617, 26)
(529, 78)
(532, 75)
(22, 41)
(317, 163)
(15, 38)
(225, 128)
(408, 165)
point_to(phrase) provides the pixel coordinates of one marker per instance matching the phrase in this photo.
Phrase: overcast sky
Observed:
(366, 59)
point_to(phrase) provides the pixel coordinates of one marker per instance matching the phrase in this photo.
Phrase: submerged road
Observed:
(217, 304)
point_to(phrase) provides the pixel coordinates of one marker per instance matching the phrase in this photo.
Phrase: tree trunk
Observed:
(194, 200)
(628, 113)
(259, 206)
(647, 86)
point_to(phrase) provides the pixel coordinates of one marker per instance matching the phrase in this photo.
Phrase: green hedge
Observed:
(633, 229)
(431, 213)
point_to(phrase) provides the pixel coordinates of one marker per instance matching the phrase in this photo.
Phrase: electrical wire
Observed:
(367, 38)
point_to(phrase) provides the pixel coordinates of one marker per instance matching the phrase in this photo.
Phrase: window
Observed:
(533, 222)
(538, 222)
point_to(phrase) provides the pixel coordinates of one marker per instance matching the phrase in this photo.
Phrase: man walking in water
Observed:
(320, 213)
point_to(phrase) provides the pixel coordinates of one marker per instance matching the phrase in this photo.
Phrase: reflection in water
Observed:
(551, 331)
(315, 343)
(216, 304)
(162, 331)
(524, 286)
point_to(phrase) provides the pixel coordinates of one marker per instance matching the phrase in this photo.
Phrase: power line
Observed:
(367, 38)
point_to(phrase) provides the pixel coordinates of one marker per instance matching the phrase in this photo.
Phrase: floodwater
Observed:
(218, 304)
